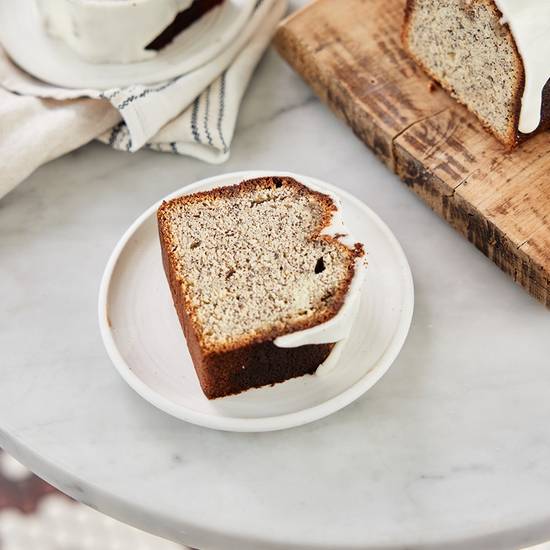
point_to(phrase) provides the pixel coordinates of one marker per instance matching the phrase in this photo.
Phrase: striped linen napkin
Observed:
(193, 114)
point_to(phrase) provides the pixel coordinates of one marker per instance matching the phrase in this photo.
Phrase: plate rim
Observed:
(269, 423)
(246, 8)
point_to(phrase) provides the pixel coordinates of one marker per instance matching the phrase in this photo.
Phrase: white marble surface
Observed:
(451, 449)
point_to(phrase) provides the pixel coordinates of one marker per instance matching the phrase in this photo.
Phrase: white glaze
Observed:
(338, 327)
(529, 21)
(109, 31)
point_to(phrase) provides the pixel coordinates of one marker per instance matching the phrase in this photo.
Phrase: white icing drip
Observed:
(109, 31)
(338, 327)
(332, 360)
(529, 22)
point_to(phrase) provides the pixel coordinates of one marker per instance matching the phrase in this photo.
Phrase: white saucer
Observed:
(23, 36)
(141, 332)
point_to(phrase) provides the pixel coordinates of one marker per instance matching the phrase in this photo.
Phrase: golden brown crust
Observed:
(514, 136)
(257, 365)
(179, 301)
(253, 361)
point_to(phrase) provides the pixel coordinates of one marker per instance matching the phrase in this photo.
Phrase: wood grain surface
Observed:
(349, 52)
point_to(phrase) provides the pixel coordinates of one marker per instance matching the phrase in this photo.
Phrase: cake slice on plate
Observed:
(253, 269)
(492, 55)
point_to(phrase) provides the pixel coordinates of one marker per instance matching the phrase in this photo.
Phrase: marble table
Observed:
(451, 449)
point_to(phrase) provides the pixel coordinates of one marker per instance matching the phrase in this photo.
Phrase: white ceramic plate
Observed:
(143, 337)
(23, 36)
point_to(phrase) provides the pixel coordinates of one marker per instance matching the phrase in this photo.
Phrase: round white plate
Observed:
(141, 332)
(23, 36)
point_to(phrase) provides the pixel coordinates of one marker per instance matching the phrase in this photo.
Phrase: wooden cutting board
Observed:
(349, 51)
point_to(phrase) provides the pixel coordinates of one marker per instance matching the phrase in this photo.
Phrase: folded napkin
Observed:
(193, 114)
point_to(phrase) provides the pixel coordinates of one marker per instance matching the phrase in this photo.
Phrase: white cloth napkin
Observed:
(193, 114)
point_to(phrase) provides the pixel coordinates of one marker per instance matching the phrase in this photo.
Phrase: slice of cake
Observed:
(492, 55)
(248, 264)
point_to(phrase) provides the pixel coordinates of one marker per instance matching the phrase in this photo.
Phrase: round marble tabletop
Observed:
(450, 449)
